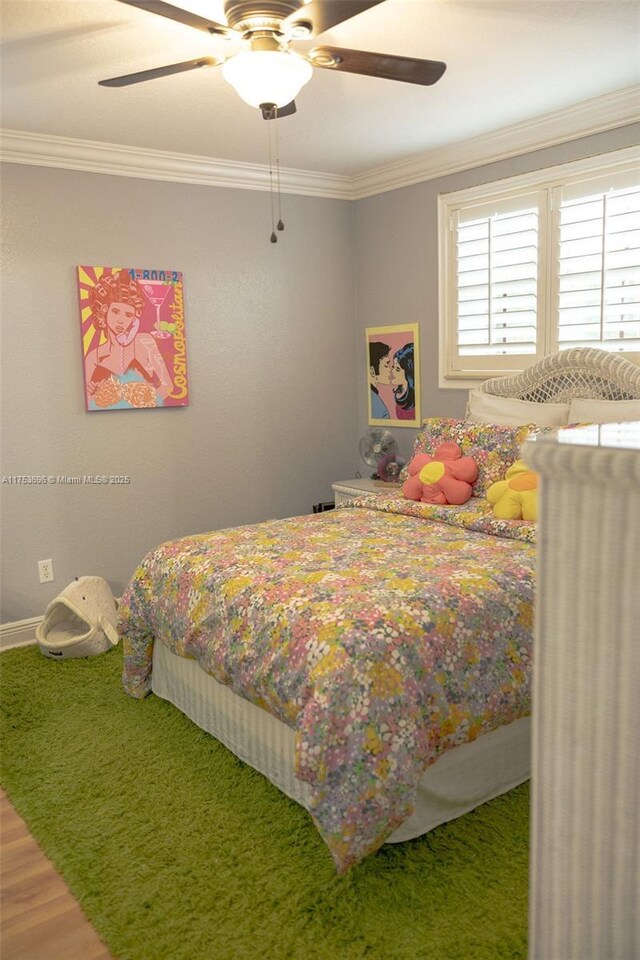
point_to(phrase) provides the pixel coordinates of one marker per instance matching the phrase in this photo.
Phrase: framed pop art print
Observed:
(134, 349)
(393, 365)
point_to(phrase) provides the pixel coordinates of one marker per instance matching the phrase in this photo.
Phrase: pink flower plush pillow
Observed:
(446, 477)
(494, 448)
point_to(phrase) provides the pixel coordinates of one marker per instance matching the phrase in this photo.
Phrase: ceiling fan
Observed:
(265, 71)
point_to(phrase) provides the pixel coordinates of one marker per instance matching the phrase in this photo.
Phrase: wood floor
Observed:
(39, 918)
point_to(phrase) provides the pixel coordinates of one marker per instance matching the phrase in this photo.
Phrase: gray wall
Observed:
(276, 351)
(397, 262)
(270, 347)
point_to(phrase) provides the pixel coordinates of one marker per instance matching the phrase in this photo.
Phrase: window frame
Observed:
(547, 183)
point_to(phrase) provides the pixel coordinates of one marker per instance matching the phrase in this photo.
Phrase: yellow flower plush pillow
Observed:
(515, 497)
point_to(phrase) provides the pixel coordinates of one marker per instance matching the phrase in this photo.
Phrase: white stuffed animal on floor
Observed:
(80, 622)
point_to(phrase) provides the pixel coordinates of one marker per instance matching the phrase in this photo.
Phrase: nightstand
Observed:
(344, 490)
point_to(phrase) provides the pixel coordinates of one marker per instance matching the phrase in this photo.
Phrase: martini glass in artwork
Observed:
(156, 293)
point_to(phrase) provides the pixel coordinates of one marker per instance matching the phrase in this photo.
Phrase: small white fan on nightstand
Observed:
(379, 448)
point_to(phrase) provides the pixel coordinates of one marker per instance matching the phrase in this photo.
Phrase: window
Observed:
(540, 263)
(599, 270)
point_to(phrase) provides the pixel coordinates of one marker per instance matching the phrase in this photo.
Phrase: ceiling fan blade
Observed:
(270, 113)
(160, 72)
(182, 16)
(407, 69)
(324, 14)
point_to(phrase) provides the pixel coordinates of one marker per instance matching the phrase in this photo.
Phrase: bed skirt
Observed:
(459, 781)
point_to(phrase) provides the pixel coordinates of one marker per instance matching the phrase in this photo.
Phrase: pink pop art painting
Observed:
(133, 338)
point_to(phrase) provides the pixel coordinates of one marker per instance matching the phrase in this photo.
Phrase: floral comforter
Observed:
(384, 633)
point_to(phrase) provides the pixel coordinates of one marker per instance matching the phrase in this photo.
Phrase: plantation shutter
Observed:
(496, 281)
(599, 264)
(538, 263)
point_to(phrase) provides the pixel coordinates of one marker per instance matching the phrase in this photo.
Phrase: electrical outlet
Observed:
(45, 571)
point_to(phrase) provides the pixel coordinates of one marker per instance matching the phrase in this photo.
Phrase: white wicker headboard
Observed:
(583, 372)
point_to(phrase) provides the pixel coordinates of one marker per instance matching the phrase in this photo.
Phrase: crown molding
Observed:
(612, 110)
(91, 156)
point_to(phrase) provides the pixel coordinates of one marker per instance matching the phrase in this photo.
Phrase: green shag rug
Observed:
(176, 850)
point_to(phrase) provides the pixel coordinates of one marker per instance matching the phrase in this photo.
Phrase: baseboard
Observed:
(20, 633)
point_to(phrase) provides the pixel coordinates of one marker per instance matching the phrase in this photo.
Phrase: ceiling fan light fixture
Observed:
(267, 76)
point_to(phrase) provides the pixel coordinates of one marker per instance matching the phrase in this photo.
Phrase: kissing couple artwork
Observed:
(394, 383)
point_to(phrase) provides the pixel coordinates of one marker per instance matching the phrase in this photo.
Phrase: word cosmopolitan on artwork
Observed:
(179, 345)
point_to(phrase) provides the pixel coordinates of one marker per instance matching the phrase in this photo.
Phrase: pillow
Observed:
(485, 408)
(604, 411)
(493, 447)
(515, 497)
(445, 477)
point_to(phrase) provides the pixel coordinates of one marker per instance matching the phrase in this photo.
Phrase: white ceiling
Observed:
(507, 61)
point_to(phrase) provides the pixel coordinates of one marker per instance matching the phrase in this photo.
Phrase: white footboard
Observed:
(585, 890)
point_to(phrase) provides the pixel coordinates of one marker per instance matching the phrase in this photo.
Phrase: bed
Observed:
(373, 661)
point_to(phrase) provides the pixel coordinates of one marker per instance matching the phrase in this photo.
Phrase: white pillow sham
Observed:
(604, 411)
(505, 411)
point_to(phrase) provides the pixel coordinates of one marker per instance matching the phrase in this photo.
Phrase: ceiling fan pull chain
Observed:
(273, 238)
(280, 225)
